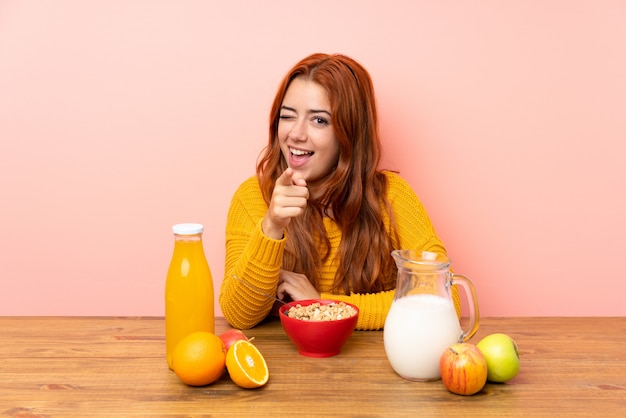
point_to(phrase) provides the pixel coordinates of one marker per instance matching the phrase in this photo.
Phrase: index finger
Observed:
(289, 177)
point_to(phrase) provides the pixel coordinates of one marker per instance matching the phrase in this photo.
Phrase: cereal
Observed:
(320, 312)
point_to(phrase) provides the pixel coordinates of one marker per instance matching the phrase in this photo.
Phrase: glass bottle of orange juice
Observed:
(188, 288)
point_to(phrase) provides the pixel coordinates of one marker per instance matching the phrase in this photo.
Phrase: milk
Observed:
(418, 329)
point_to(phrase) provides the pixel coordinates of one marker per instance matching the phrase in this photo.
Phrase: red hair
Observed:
(353, 194)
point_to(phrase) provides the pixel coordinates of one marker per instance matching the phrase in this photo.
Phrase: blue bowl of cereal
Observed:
(318, 327)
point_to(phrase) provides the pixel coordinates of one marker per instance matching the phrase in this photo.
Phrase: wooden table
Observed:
(75, 366)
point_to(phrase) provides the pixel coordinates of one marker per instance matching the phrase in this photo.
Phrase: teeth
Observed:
(300, 152)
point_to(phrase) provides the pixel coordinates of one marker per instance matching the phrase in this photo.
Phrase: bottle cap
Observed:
(188, 229)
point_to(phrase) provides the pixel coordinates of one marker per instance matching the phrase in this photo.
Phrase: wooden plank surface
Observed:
(73, 366)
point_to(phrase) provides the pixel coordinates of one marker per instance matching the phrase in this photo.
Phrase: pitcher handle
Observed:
(468, 286)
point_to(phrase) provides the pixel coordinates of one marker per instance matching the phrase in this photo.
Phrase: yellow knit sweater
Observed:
(257, 259)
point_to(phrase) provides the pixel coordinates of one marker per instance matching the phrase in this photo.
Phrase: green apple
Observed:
(502, 357)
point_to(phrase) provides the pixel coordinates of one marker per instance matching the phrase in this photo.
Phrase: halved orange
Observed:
(246, 366)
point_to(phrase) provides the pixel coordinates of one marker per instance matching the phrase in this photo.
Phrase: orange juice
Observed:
(188, 289)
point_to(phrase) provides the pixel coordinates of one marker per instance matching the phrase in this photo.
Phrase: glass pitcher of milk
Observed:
(422, 321)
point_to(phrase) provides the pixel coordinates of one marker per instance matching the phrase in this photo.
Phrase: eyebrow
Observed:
(309, 111)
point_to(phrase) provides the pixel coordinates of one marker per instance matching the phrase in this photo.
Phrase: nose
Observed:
(298, 131)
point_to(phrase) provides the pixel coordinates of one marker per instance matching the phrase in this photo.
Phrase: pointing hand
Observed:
(289, 199)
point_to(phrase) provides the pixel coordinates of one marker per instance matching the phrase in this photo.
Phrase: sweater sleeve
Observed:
(415, 231)
(250, 256)
(415, 228)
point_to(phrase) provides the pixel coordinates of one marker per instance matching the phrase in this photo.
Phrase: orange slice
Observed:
(246, 366)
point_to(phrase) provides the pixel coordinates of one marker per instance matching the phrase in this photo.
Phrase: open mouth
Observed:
(300, 153)
(298, 157)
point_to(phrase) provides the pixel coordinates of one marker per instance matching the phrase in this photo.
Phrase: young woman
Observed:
(320, 220)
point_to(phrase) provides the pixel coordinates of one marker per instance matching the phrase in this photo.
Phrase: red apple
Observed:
(229, 337)
(463, 369)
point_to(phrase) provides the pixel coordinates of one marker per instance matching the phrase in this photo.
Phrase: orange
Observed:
(199, 359)
(246, 366)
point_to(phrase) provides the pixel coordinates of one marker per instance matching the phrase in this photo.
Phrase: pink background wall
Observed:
(121, 118)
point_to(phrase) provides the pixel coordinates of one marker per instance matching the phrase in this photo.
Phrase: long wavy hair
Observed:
(353, 194)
